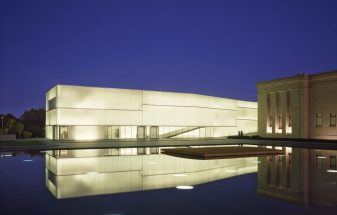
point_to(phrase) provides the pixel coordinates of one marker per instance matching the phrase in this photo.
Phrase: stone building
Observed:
(302, 106)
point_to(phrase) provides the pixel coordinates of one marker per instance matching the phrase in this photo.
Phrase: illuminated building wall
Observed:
(303, 106)
(77, 173)
(89, 113)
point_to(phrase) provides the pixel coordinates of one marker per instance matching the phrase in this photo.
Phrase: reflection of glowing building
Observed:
(302, 176)
(303, 106)
(75, 173)
(87, 113)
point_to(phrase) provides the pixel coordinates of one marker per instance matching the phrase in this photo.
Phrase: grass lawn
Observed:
(30, 142)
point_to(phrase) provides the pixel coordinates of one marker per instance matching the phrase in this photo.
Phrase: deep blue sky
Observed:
(220, 48)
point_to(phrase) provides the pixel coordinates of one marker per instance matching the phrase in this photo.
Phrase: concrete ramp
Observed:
(178, 132)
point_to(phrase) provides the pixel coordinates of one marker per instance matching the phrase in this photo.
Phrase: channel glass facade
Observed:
(92, 113)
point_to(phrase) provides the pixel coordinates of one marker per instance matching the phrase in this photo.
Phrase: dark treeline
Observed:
(29, 125)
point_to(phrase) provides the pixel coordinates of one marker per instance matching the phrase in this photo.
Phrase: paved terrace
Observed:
(45, 144)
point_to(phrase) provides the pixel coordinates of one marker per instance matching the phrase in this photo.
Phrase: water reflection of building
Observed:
(75, 173)
(302, 176)
(91, 113)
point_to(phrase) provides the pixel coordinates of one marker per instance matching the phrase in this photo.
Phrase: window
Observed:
(280, 125)
(289, 121)
(280, 159)
(332, 162)
(319, 120)
(270, 122)
(51, 103)
(113, 132)
(318, 161)
(63, 133)
(332, 119)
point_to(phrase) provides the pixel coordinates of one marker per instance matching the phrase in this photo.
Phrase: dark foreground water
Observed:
(131, 181)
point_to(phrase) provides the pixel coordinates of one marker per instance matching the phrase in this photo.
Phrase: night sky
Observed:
(219, 48)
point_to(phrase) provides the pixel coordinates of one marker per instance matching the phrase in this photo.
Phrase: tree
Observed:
(34, 121)
(15, 126)
(9, 121)
(18, 128)
(11, 125)
(26, 134)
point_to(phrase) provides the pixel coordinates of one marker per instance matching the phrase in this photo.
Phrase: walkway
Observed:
(45, 144)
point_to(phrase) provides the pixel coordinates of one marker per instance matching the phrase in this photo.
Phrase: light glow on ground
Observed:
(184, 187)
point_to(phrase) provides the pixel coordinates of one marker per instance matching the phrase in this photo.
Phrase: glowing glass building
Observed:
(92, 113)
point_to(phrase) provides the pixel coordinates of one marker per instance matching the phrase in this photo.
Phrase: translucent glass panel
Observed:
(184, 99)
(113, 132)
(98, 98)
(49, 132)
(166, 129)
(128, 132)
(141, 132)
(128, 151)
(190, 134)
(247, 126)
(187, 116)
(247, 113)
(51, 117)
(206, 132)
(86, 132)
(209, 132)
(154, 132)
(246, 104)
(98, 117)
(223, 131)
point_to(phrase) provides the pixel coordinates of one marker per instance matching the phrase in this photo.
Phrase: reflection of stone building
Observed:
(303, 106)
(75, 173)
(91, 113)
(302, 176)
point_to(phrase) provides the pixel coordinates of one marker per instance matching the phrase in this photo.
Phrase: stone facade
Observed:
(302, 106)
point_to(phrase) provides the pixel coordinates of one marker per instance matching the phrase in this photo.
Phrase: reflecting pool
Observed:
(145, 181)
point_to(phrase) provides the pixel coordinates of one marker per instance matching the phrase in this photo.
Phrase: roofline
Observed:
(309, 76)
(70, 85)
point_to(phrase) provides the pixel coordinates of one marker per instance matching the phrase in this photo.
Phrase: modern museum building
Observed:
(94, 113)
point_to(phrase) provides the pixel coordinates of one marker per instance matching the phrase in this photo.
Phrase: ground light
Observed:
(184, 187)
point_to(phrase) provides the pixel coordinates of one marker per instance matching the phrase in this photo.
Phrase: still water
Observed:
(144, 181)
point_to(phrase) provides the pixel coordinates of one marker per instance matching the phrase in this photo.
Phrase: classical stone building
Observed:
(302, 106)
